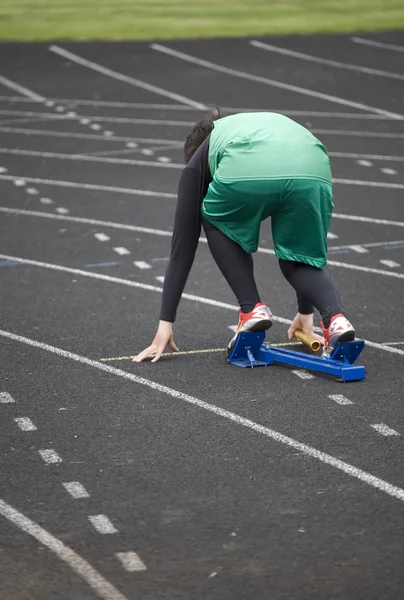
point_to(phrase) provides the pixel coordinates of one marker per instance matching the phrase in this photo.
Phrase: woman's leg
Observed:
(235, 264)
(314, 287)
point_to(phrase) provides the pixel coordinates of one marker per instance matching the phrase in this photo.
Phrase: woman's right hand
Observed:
(305, 323)
(162, 339)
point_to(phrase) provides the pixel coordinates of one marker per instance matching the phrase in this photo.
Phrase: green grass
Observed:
(165, 19)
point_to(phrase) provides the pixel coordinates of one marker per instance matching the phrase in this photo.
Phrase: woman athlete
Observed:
(239, 171)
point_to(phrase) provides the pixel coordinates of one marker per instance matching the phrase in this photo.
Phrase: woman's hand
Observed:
(163, 338)
(304, 322)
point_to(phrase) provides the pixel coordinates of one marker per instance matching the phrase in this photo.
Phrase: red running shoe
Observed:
(259, 319)
(340, 330)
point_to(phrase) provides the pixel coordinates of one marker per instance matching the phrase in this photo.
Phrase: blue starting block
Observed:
(249, 350)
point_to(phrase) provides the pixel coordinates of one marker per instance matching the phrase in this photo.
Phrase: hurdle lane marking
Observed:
(6, 398)
(384, 429)
(102, 524)
(340, 399)
(76, 489)
(285, 86)
(371, 480)
(131, 561)
(325, 61)
(303, 374)
(25, 424)
(81, 567)
(381, 45)
(124, 78)
(50, 456)
(390, 263)
(152, 288)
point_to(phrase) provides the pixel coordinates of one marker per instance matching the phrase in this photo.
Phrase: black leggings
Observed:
(314, 287)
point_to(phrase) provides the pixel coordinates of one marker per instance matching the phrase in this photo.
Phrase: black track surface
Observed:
(214, 509)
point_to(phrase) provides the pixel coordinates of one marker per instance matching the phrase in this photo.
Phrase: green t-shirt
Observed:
(265, 145)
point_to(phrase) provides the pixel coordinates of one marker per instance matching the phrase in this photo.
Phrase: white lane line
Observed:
(384, 429)
(323, 457)
(388, 171)
(86, 136)
(46, 201)
(303, 374)
(82, 568)
(125, 78)
(151, 288)
(6, 398)
(393, 343)
(370, 245)
(340, 399)
(50, 456)
(374, 184)
(390, 263)
(131, 561)
(368, 220)
(102, 524)
(141, 264)
(365, 163)
(381, 45)
(272, 82)
(160, 278)
(121, 250)
(21, 89)
(76, 489)
(88, 186)
(62, 211)
(362, 134)
(325, 61)
(102, 237)
(25, 424)
(163, 233)
(358, 249)
(332, 236)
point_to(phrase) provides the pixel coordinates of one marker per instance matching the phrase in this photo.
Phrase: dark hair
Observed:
(199, 133)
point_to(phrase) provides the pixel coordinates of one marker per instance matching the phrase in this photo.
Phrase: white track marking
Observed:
(359, 249)
(393, 343)
(97, 582)
(381, 45)
(369, 245)
(95, 126)
(160, 278)
(89, 186)
(362, 134)
(365, 162)
(323, 457)
(141, 264)
(374, 184)
(368, 220)
(32, 191)
(124, 78)
(151, 288)
(6, 398)
(273, 83)
(384, 429)
(3, 170)
(121, 250)
(169, 234)
(46, 201)
(21, 89)
(233, 328)
(102, 237)
(19, 182)
(325, 61)
(25, 424)
(50, 456)
(164, 159)
(131, 561)
(102, 524)
(62, 211)
(390, 263)
(303, 374)
(331, 236)
(85, 136)
(340, 399)
(102, 119)
(76, 490)
(388, 171)
(108, 133)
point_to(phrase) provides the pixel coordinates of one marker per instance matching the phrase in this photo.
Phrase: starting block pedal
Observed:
(250, 350)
